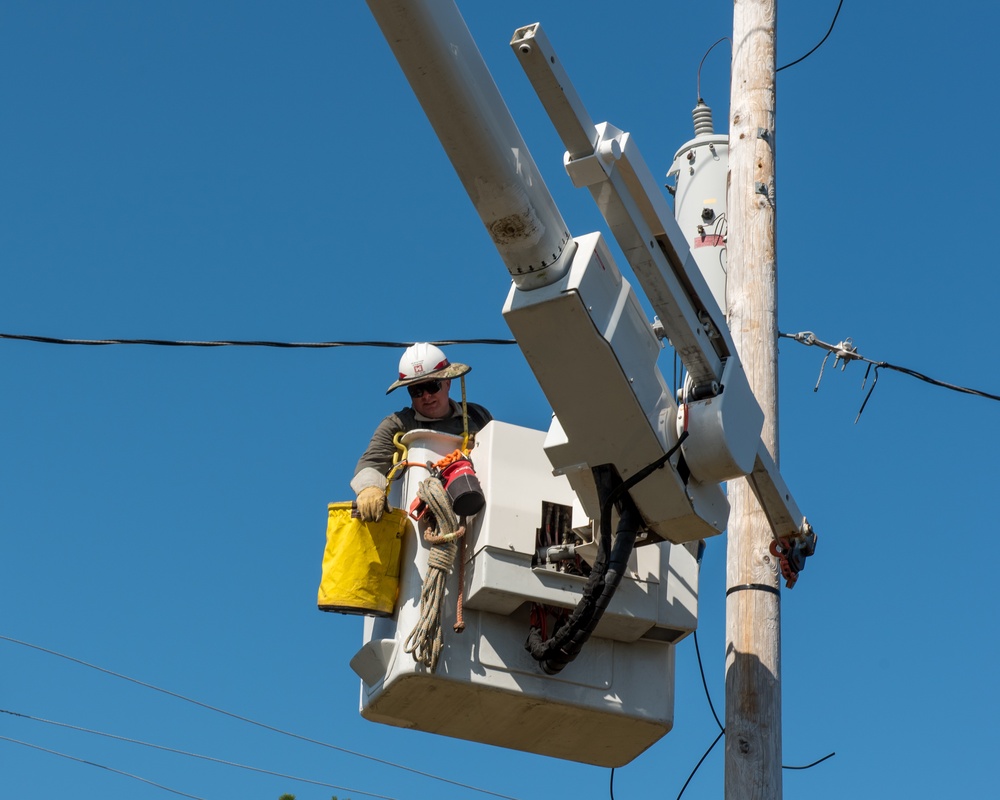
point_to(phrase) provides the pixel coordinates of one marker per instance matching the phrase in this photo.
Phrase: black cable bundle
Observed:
(612, 557)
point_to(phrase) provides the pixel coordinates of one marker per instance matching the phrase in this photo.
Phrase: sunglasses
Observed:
(430, 387)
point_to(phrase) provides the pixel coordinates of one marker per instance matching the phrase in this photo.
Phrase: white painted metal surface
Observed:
(594, 355)
(450, 79)
(632, 204)
(701, 171)
(605, 708)
(724, 429)
(658, 601)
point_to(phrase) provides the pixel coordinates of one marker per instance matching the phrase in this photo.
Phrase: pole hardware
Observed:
(793, 552)
(703, 391)
(844, 351)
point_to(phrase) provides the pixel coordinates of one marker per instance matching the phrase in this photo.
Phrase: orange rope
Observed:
(459, 625)
(412, 464)
(451, 458)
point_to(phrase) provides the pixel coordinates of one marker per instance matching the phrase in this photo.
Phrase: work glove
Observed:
(371, 503)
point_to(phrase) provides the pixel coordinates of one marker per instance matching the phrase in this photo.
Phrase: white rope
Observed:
(426, 640)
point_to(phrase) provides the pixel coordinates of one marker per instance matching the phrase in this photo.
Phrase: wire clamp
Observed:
(792, 553)
(843, 351)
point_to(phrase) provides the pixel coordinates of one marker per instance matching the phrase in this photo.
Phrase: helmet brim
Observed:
(446, 373)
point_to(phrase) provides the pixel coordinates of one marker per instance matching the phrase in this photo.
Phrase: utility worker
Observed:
(426, 373)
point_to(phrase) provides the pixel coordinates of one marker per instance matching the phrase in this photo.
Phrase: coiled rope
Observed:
(444, 533)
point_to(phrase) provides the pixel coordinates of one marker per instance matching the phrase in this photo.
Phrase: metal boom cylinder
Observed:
(446, 71)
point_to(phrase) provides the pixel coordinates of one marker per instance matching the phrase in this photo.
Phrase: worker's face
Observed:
(432, 405)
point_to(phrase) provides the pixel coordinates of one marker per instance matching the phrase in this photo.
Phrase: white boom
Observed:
(610, 401)
(608, 162)
(443, 65)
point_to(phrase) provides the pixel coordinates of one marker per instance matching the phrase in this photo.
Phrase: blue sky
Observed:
(262, 171)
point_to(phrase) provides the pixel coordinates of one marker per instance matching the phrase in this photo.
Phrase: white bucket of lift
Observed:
(607, 706)
(384, 654)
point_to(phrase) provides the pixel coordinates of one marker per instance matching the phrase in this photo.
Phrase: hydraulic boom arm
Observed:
(608, 162)
(574, 316)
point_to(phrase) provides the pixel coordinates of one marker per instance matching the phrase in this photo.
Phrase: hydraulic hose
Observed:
(609, 566)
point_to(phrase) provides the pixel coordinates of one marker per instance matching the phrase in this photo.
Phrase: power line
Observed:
(722, 729)
(240, 342)
(101, 766)
(803, 58)
(845, 351)
(711, 747)
(704, 683)
(702, 62)
(250, 721)
(190, 755)
(814, 763)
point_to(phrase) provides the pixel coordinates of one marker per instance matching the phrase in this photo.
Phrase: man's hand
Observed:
(371, 503)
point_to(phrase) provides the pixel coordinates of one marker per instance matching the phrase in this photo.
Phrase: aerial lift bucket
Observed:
(609, 705)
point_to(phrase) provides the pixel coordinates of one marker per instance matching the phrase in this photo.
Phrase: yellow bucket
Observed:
(361, 561)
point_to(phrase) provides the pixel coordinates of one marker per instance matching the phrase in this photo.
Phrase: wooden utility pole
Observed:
(753, 614)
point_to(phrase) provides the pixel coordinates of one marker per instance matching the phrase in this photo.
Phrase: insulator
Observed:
(702, 119)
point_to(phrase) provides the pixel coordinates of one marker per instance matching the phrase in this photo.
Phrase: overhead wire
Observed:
(704, 683)
(933, 381)
(176, 751)
(814, 763)
(845, 352)
(711, 705)
(701, 761)
(101, 766)
(722, 728)
(702, 62)
(240, 342)
(257, 723)
(803, 58)
(446, 342)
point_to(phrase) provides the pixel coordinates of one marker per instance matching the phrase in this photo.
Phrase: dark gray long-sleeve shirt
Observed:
(375, 463)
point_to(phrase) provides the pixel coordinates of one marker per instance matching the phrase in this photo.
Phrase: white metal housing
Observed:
(594, 355)
(701, 171)
(724, 429)
(605, 708)
(608, 162)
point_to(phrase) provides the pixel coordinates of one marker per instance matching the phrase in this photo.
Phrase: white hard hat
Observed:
(425, 362)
